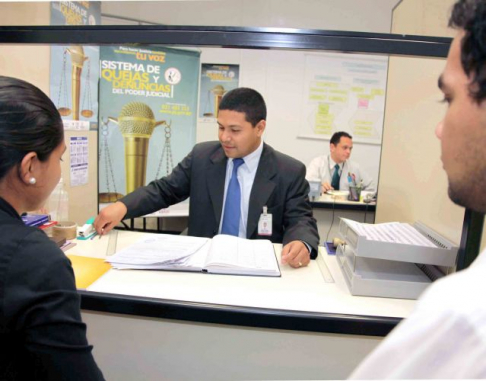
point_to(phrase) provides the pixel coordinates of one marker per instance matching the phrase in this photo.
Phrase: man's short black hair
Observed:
(336, 137)
(245, 100)
(470, 15)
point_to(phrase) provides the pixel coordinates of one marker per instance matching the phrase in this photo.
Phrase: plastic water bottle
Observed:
(58, 204)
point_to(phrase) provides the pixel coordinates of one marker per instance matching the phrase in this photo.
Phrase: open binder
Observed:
(392, 269)
(223, 254)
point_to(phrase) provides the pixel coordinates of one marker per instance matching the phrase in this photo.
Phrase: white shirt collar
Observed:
(252, 159)
(332, 163)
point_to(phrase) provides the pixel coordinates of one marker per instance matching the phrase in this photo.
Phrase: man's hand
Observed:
(326, 187)
(109, 217)
(296, 254)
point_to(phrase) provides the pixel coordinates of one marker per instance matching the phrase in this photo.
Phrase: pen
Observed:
(93, 237)
(101, 233)
(354, 179)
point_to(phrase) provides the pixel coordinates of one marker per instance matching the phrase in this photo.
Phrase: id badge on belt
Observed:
(265, 223)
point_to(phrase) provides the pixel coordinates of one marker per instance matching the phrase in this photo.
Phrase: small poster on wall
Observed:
(75, 68)
(78, 153)
(216, 80)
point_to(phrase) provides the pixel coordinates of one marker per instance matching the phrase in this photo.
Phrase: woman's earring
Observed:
(32, 180)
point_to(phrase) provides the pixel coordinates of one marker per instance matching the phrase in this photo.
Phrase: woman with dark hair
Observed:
(41, 332)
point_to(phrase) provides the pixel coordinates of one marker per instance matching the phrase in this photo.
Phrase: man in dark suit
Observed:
(231, 183)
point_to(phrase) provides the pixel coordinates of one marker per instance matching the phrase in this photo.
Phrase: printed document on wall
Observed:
(344, 93)
(78, 152)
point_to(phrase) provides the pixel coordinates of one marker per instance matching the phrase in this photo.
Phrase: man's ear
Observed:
(28, 167)
(260, 126)
(332, 147)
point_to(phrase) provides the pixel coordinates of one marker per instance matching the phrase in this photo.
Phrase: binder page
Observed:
(160, 251)
(230, 251)
(395, 232)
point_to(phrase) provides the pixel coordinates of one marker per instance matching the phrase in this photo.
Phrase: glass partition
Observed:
(296, 72)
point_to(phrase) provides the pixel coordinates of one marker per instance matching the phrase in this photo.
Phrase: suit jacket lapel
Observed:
(215, 181)
(262, 188)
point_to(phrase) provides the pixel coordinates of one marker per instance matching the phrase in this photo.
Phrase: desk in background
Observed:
(178, 325)
(328, 211)
(173, 219)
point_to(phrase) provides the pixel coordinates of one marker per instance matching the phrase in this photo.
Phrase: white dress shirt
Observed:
(444, 337)
(321, 169)
(246, 176)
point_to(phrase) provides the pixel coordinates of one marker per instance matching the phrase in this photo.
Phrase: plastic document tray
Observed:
(379, 277)
(443, 255)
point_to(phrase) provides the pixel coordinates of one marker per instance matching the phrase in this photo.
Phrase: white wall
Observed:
(351, 15)
(413, 185)
(423, 188)
(279, 76)
(423, 17)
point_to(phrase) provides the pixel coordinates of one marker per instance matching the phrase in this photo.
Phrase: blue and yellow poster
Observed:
(75, 68)
(148, 100)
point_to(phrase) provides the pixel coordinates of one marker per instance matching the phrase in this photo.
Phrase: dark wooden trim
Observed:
(229, 37)
(339, 206)
(472, 230)
(238, 316)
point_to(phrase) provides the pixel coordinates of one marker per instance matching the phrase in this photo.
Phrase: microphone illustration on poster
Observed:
(136, 123)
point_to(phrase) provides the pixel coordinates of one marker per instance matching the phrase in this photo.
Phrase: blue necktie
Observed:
(335, 178)
(232, 208)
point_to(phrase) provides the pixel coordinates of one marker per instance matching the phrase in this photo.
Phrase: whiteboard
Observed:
(344, 92)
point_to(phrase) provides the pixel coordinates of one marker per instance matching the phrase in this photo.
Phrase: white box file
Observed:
(378, 277)
(384, 269)
(443, 255)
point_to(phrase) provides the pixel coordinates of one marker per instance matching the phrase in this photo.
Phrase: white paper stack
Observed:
(158, 251)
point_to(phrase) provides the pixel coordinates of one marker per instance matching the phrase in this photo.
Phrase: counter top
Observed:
(314, 298)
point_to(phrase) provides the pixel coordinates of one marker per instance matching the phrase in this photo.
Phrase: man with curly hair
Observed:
(445, 336)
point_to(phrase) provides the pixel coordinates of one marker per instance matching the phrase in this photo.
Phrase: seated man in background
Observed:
(332, 170)
(230, 183)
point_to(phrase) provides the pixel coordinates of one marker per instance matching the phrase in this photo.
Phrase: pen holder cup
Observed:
(354, 193)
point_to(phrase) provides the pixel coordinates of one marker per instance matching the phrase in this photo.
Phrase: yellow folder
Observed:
(87, 269)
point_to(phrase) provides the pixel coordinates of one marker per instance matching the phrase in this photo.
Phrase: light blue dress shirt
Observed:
(246, 176)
